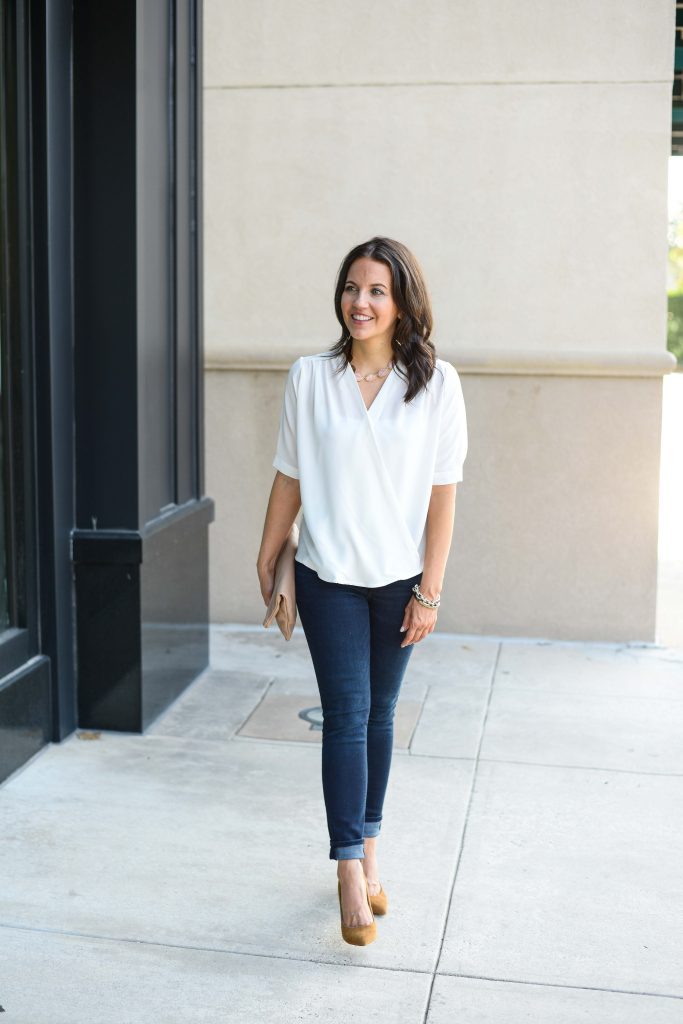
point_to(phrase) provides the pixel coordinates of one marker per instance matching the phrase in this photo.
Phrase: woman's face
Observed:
(367, 303)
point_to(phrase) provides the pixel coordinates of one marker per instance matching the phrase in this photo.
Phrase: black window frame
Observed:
(20, 640)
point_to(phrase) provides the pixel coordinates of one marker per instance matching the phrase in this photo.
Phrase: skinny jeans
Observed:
(354, 638)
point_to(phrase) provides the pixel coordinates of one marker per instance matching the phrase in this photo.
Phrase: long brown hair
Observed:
(411, 342)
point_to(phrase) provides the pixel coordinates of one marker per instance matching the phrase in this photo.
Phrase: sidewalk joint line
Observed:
(255, 708)
(428, 690)
(209, 949)
(543, 764)
(332, 963)
(559, 984)
(463, 834)
(584, 768)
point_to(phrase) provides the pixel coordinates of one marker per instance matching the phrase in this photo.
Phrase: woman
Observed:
(372, 442)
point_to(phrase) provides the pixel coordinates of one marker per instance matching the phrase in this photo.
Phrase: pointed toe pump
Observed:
(359, 935)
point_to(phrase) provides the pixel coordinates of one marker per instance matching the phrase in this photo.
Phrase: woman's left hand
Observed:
(418, 622)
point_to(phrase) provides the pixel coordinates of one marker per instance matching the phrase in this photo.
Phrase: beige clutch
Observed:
(282, 605)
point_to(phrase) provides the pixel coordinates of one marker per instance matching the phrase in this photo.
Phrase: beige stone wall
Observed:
(521, 151)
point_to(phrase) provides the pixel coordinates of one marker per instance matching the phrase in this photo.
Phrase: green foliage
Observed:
(675, 325)
(675, 278)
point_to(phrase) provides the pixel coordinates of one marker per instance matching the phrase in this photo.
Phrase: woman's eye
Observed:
(352, 287)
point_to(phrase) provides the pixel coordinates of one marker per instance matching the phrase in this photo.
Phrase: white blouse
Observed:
(366, 475)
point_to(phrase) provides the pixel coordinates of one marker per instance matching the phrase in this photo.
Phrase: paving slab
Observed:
(214, 707)
(257, 649)
(570, 876)
(178, 841)
(591, 670)
(451, 721)
(63, 979)
(296, 685)
(628, 733)
(446, 659)
(473, 1001)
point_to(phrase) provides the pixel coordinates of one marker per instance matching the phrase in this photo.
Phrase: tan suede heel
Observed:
(362, 934)
(379, 902)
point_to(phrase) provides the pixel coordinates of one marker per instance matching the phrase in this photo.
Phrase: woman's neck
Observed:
(368, 358)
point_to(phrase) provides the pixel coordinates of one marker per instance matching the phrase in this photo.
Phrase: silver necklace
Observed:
(376, 373)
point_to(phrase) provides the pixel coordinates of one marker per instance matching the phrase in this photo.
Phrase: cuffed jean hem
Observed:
(356, 850)
(371, 829)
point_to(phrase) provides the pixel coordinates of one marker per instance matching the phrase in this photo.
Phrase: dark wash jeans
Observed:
(353, 635)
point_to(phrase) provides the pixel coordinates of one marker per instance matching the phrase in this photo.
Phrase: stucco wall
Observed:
(521, 151)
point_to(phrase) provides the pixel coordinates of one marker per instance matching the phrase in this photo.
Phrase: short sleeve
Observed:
(286, 459)
(452, 444)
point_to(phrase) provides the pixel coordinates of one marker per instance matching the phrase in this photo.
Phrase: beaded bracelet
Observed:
(419, 596)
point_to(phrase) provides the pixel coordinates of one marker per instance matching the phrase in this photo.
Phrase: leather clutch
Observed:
(282, 604)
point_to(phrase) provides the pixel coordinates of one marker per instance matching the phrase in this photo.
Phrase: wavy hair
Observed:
(411, 342)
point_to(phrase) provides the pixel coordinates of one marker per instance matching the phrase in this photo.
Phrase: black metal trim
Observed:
(16, 310)
(14, 650)
(126, 546)
(196, 116)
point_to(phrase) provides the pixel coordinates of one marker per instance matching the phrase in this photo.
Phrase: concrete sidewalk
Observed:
(531, 848)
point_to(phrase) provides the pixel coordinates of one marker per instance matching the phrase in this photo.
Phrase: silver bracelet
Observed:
(419, 596)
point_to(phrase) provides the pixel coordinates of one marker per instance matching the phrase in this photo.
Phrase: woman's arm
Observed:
(440, 518)
(283, 506)
(418, 621)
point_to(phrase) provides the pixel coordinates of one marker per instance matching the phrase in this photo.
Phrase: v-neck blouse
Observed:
(366, 474)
